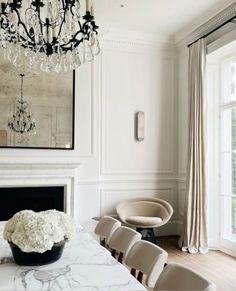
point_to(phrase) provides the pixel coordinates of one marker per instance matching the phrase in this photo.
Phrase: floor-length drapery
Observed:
(194, 238)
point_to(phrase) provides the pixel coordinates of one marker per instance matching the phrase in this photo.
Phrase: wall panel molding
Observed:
(91, 151)
(105, 168)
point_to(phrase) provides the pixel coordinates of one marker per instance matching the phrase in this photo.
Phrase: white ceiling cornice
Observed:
(191, 34)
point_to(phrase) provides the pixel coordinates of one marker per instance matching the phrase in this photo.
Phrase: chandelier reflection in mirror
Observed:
(48, 35)
(22, 121)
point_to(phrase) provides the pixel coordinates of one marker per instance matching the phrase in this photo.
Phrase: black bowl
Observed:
(37, 259)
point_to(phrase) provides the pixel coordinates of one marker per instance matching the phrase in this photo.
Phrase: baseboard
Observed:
(227, 251)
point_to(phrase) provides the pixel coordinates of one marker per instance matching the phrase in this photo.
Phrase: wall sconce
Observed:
(139, 126)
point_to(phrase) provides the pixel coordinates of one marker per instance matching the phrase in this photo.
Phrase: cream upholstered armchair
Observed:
(145, 214)
(178, 277)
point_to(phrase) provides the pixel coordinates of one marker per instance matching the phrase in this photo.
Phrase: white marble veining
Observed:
(84, 266)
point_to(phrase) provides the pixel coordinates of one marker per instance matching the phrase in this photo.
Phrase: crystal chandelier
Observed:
(48, 35)
(21, 121)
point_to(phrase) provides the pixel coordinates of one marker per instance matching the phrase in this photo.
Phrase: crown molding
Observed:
(114, 35)
(191, 34)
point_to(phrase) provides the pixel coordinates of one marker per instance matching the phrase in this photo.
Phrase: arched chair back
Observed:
(105, 227)
(179, 277)
(122, 240)
(148, 259)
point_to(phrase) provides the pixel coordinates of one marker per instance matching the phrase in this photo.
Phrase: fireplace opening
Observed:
(37, 199)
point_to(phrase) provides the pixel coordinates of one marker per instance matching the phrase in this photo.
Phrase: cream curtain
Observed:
(194, 237)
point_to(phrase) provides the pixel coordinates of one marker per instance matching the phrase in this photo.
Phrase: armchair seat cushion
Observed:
(144, 220)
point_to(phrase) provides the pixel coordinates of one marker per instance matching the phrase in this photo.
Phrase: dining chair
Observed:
(122, 240)
(105, 227)
(148, 259)
(179, 277)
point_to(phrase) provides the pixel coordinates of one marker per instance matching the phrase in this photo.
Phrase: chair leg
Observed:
(120, 258)
(113, 253)
(140, 277)
(102, 242)
(147, 234)
(133, 272)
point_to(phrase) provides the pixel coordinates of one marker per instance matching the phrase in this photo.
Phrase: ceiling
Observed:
(163, 16)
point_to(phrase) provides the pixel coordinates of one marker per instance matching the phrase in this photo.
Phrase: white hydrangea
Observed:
(38, 231)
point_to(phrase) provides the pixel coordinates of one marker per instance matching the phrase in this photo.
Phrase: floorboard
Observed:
(216, 266)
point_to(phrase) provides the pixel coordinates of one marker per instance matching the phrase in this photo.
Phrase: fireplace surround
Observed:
(44, 176)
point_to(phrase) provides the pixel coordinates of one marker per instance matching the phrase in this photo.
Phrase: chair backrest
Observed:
(146, 206)
(123, 239)
(106, 226)
(178, 277)
(147, 258)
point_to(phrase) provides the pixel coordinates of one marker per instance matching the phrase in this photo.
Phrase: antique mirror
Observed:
(36, 110)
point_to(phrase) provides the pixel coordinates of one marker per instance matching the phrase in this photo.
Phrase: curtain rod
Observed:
(215, 29)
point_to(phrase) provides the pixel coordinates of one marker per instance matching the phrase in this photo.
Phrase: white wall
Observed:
(182, 129)
(129, 75)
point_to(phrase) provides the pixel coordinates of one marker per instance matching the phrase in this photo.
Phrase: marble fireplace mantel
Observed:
(42, 174)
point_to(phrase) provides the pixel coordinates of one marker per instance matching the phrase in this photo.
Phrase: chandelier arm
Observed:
(40, 21)
(84, 30)
(2, 21)
(20, 22)
(63, 19)
(76, 43)
(72, 6)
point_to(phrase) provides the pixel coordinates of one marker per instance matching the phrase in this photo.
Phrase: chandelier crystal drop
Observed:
(48, 35)
(22, 121)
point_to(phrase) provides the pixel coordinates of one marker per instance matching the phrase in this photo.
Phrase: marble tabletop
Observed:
(84, 266)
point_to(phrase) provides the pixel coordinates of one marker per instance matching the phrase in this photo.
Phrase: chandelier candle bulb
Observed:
(88, 5)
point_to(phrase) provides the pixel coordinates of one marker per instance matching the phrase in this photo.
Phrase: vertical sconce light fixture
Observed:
(139, 125)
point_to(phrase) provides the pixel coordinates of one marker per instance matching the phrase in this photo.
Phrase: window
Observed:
(228, 151)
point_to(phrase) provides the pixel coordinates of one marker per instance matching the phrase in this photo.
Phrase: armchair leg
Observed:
(147, 234)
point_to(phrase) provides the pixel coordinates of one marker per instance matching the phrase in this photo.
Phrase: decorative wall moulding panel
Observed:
(117, 114)
(90, 153)
(137, 180)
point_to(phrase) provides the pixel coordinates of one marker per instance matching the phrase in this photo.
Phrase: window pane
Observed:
(228, 172)
(229, 82)
(233, 80)
(226, 128)
(234, 218)
(233, 128)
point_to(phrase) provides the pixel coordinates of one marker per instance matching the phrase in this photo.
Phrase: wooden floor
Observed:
(216, 266)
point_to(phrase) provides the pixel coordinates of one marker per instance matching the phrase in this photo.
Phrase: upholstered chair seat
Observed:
(143, 221)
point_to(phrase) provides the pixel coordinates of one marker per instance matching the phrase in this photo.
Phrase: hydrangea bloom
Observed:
(38, 231)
